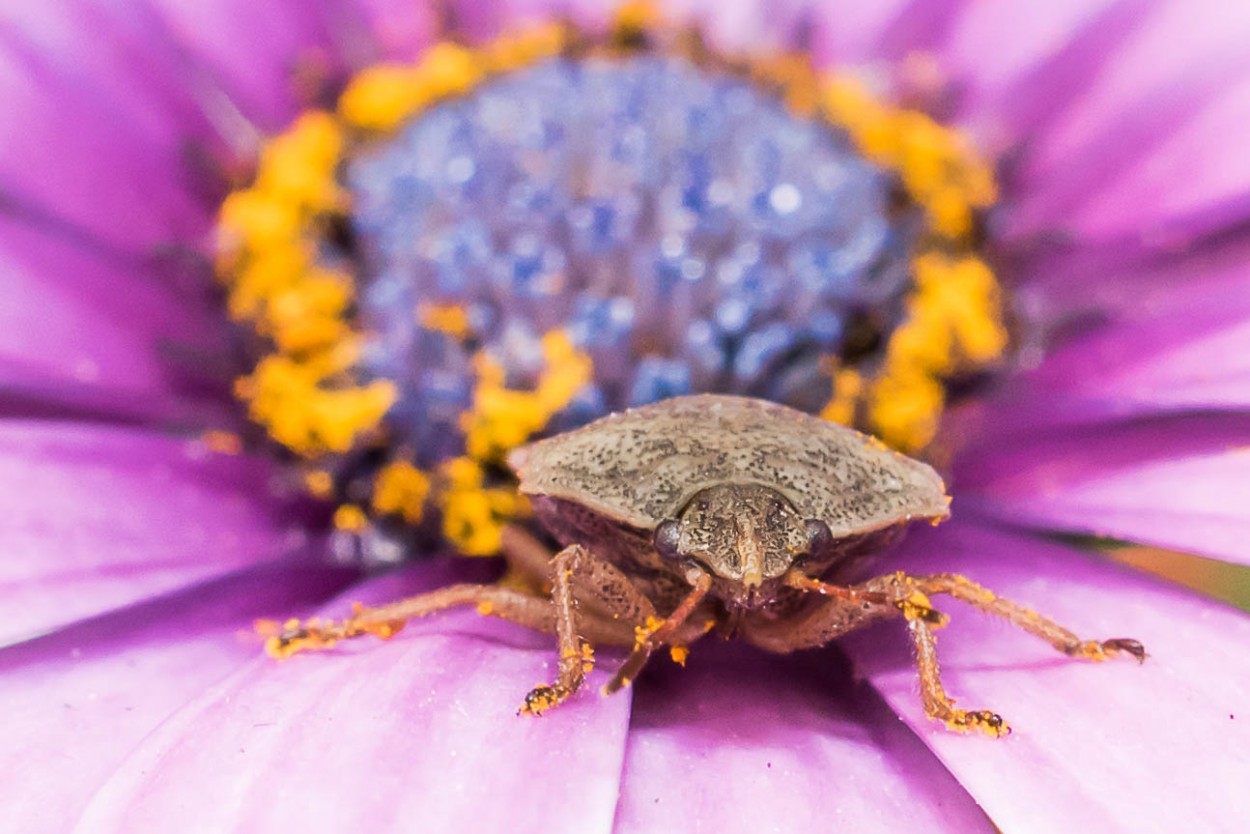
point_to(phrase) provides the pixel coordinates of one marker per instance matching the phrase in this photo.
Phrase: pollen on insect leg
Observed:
(977, 721)
(316, 634)
(542, 698)
(644, 632)
(917, 606)
(1100, 650)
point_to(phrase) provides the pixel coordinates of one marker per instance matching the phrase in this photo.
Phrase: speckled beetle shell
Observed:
(642, 466)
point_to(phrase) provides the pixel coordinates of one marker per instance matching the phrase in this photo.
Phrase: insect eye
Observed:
(818, 536)
(666, 538)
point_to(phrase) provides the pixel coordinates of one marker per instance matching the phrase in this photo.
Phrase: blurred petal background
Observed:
(135, 552)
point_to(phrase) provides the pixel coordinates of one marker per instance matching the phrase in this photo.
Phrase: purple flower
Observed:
(136, 553)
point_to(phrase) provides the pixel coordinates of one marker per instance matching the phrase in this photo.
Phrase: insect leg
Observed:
(577, 575)
(655, 631)
(937, 704)
(983, 599)
(385, 621)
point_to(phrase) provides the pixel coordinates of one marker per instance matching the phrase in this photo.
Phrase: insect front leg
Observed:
(900, 594)
(842, 609)
(980, 597)
(616, 608)
(937, 704)
(655, 631)
(912, 597)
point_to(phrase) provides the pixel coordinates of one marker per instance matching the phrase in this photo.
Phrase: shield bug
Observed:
(723, 513)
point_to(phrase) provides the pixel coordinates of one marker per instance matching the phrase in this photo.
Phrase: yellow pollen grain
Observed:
(905, 408)
(312, 315)
(350, 518)
(568, 369)
(298, 166)
(512, 50)
(250, 219)
(319, 483)
(383, 97)
(938, 166)
(293, 401)
(450, 319)
(503, 418)
(961, 294)
(792, 74)
(470, 520)
(635, 17)
(953, 324)
(679, 654)
(848, 387)
(588, 658)
(279, 265)
(401, 489)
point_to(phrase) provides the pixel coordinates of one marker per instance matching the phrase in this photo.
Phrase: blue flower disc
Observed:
(681, 226)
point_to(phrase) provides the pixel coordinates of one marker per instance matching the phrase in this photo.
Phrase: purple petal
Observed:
(75, 702)
(1174, 339)
(418, 734)
(742, 741)
(1180, 185)
(126, 55)
(74, 320)
(921, 26)
(400, 28)
(1195, 356)
(1113, 747)
(750, 27)
(99, 517)
(851, 34)
(1014, 79)
(88, 162)
(256, 49)
(1177, 483)
(1148, 121)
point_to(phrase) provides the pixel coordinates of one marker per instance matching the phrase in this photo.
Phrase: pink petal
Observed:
(75, 702)
(99, 517)
(1114, 747)
(418, 734)
(1175, 482)
(743, 741)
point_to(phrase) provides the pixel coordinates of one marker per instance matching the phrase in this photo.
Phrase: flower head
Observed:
(1004, 238)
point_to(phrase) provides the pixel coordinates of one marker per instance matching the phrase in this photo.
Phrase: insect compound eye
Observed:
(666, 538)
(818, 536)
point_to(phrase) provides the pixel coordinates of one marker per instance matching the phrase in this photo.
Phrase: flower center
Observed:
(679, 226)
(511, 239)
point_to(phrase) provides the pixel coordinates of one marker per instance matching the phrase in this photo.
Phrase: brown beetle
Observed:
(715, 512)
